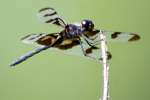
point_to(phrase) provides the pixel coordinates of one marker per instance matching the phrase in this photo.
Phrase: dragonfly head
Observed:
(87, 25)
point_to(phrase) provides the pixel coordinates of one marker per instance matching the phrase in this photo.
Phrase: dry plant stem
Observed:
(105, 90)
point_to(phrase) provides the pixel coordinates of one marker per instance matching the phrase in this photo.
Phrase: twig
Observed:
(105, 90)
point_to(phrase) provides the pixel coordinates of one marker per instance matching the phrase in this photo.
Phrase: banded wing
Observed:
(40, 38)
(32, 38)
(113, 36)
(49, 15)
(67, 46)
(92, 47)
(51, 40)
(90, 52)
(91, 43)
(121, 36)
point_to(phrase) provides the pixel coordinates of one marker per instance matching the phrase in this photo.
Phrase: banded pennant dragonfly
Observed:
(77, 39)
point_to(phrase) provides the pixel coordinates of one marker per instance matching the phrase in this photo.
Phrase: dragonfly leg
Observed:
(82, 48)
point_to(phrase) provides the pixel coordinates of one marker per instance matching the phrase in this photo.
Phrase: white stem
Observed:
(105, 91)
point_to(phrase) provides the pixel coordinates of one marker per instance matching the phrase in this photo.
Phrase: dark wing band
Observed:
(49, 15)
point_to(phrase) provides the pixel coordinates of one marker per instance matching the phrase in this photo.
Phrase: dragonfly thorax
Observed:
(73, 30)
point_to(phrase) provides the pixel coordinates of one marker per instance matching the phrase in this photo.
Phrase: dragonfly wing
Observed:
(84, 51)
(92, 51)
(33, 52)
(32, 38)
(121, 36)
(40, 39)
(49, 15)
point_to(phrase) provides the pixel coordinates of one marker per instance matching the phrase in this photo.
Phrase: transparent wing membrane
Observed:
(121, 36)
(84, 51)
(32, 38)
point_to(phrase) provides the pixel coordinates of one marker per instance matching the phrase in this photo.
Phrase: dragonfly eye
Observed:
(87, 25)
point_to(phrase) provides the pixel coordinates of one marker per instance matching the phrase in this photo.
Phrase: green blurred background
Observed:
(55, 76)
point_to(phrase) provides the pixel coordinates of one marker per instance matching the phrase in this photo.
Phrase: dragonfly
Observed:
(81, 39)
